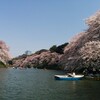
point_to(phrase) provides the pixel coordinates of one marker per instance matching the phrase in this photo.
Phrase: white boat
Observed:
(69, 77)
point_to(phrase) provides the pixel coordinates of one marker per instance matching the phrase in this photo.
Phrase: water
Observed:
(38, 84)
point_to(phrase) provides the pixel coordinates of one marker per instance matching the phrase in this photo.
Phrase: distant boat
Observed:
(69, 77)
(14, 67)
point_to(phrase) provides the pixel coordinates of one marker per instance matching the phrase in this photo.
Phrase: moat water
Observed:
(39, 84)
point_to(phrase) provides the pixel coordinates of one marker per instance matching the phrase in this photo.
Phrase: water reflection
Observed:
(73, 85)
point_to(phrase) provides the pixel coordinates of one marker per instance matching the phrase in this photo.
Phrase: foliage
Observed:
(53, 48)
(58, 49)
(2, 64)
(84, 49)
(40, 51)
(28, 52)
(10, 62)
(90, 53)
(20, 57)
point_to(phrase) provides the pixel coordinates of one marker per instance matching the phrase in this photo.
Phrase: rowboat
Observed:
(69, 76)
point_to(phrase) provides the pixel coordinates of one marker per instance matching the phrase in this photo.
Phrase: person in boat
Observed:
(71, 75)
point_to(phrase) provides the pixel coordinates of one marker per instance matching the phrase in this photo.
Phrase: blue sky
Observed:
(39, 24)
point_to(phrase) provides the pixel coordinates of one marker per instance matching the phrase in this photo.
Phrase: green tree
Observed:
(53, 48)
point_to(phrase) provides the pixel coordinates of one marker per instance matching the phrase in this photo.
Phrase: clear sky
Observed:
(39, 24)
